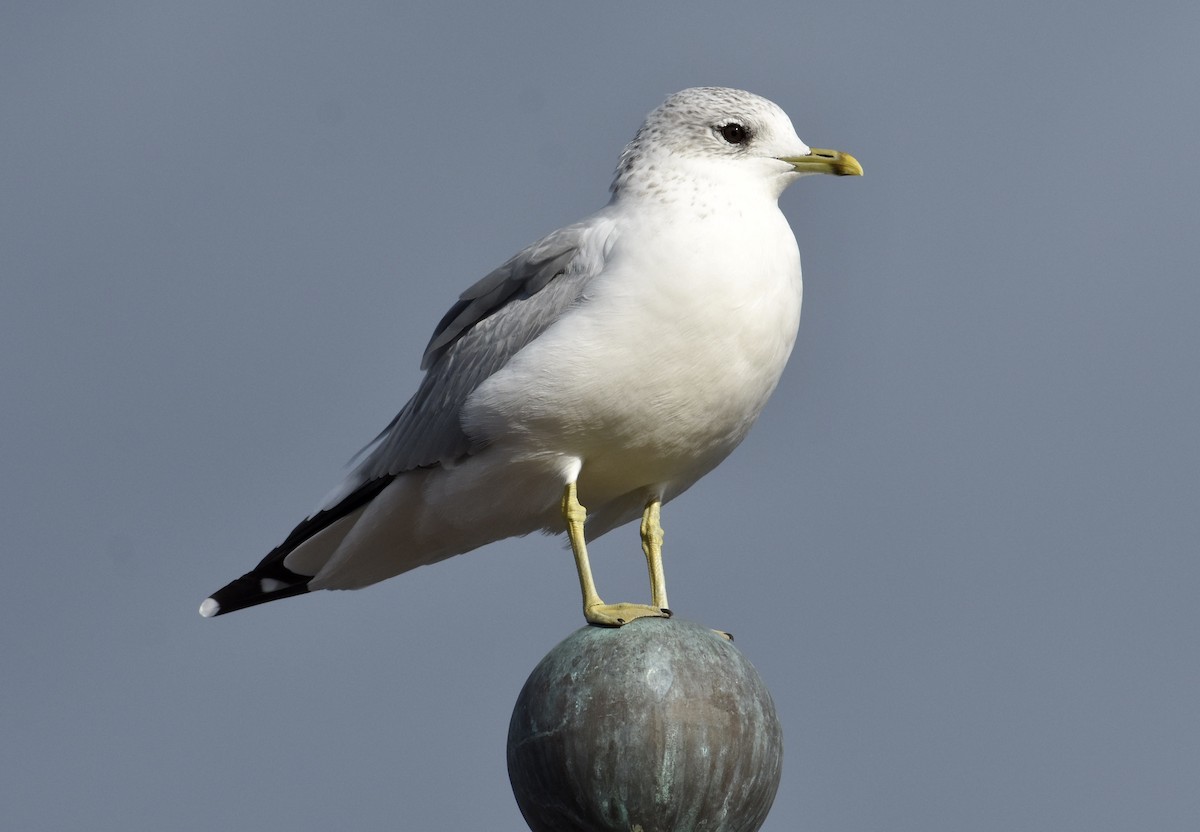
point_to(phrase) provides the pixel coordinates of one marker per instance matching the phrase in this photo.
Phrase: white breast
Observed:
(664, 367)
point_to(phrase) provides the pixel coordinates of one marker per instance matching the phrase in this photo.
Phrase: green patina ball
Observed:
(655, 726)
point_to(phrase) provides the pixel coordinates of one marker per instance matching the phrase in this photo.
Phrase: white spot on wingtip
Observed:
(271, 584)
(209, 608)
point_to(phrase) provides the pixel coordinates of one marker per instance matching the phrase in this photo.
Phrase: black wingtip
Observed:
(266, 583)
(271, 580)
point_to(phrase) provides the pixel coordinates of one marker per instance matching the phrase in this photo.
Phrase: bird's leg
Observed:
(594, 609)
(574, 514)
(652, 538)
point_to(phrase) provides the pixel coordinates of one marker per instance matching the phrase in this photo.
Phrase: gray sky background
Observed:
(960, 546)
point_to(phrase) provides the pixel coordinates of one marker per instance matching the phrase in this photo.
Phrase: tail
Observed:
(272, 579)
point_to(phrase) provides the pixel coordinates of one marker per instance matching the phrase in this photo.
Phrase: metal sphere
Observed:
(656, 726)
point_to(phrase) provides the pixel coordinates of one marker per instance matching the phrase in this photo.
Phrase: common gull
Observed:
(612, 363)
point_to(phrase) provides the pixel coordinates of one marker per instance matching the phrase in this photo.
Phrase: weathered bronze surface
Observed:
(655, 726)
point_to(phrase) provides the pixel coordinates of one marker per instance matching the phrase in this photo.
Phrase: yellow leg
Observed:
(574, 514)
(594, 609)
(652, 539)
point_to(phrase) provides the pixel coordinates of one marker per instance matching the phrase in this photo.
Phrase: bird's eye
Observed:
(734, 133)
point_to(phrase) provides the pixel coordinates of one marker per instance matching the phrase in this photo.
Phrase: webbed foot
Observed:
(615, 615)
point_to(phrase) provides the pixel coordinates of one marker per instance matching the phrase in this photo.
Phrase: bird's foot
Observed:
(615, 615)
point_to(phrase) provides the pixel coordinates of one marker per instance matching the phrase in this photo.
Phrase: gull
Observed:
(612, 363)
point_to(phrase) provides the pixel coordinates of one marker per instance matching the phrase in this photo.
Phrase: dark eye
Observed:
(734, 133)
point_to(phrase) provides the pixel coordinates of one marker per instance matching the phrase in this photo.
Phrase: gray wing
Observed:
(490, 323)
